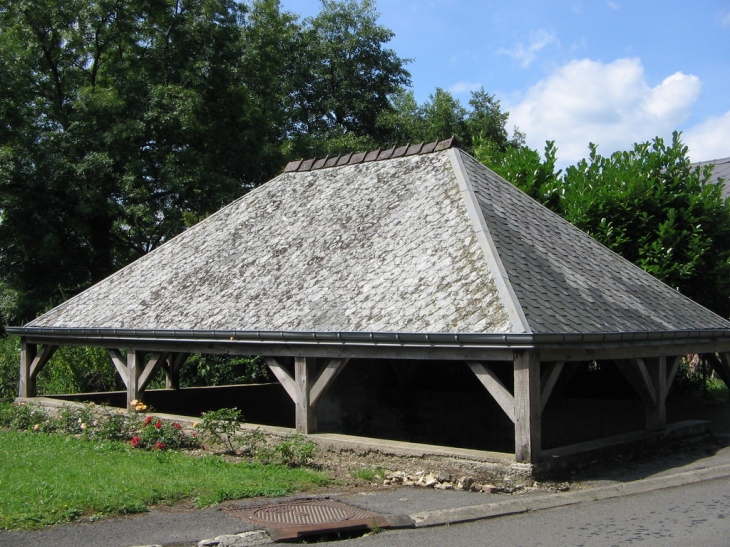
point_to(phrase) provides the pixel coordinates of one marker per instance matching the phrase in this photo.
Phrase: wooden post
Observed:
(656, 414)
(135, 366)
(528, 407)
(304, 375)
(172, 368)
(27, 387)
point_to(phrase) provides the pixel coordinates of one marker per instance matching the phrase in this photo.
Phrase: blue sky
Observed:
(576, 71)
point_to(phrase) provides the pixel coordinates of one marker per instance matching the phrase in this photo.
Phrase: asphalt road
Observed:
(687, 516)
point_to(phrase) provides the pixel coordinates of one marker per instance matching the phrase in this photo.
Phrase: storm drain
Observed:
(292, 519)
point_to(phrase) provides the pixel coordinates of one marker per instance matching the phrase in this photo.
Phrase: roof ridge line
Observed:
(409, 149)
(489, 249)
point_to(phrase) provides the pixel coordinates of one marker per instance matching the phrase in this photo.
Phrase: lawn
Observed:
(49, 478)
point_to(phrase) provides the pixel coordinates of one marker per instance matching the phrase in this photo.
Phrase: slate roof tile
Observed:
(381, 241)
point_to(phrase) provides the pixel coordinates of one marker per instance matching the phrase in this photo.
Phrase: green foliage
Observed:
(218, 370)
(72, 477)
(293, 451)
(157, 434)
(477, 128)
(9, 367)
(78, 370)
(222, 426)
(353, 74)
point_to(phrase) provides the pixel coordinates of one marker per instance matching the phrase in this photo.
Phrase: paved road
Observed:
(692, 515)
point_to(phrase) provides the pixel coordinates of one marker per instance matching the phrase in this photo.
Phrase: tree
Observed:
(352, 76)
(122, 119)
(482, 126)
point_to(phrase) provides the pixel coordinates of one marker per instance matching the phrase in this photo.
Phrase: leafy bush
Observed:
(79, 370)
(221, 426)
(9, 367)
(218, 370)
(157, 434)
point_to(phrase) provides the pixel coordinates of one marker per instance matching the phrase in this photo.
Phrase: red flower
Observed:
(176, 425)
(135, 441)
(158, 424)
(147, 421)
(159, 446)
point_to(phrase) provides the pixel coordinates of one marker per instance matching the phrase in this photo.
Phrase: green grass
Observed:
(47, 479)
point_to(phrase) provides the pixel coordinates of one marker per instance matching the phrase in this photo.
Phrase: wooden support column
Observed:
(172, 366)
(135, 367)
(32, 361)
(651, 379)
(27, 387)
(528, 407)
(306, 387)
(304, 374)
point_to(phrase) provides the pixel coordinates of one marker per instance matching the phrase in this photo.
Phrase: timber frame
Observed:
(307, 364)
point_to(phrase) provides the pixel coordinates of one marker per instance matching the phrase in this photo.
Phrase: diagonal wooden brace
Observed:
(495, 388)
(548, 381)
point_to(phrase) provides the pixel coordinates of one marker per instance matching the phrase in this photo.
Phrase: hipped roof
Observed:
(419, 239)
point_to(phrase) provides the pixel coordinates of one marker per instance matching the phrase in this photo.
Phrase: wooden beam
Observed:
(656, 413)
(635, 372)
(43, 355)
(277, 367)
(671, 373)
(548, 381)
(528, 409)
(495, 388)
(120, 362)
(152, 366)
(27, 384)
(276, 349)
(135, 365)
(330, 371)
(304, 373)
(172, 366)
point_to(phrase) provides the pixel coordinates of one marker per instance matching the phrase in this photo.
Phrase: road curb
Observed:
(443, 517)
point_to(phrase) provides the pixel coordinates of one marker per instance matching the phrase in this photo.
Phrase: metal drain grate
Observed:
(301, 513)
(292, 519)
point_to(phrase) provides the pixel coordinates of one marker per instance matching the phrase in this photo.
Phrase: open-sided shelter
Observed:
(417, 252)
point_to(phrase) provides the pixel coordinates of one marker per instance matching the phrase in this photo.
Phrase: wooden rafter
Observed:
(548, 381)
(150, 369)
(635, 372)
(120, 363)
(43, 355)
(495, 387)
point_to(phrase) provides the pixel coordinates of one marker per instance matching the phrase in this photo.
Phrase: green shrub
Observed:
(222, 426)
(157, 434)
(219, 370)
(78, 370)
(9, 367)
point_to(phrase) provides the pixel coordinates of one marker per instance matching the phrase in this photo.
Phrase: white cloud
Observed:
(463, 87)
(611, 105)
(725, 20)
(710, 139)
(614, 5)
(526, 54)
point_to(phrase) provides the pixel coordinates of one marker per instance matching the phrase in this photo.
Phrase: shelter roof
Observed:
(416, 240)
